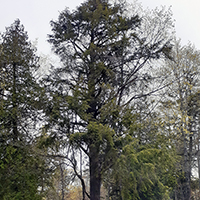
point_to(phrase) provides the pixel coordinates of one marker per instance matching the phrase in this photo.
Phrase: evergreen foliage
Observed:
(105, 51)
(96, 110)
(21, 169)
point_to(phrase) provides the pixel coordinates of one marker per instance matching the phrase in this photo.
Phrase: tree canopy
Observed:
(106, 52)
(21, 169)
(117, 118)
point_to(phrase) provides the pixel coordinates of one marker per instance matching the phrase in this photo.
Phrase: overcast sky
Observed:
(35, 15)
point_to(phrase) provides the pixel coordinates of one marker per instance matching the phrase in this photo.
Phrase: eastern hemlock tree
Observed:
(20, 168)
(105, 50)
(145, 169)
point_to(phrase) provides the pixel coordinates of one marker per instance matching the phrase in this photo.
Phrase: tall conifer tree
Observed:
(104, 50)
(20, 168)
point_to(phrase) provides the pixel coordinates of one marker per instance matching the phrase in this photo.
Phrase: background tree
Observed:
(146, 167)
(178, 110)
(106, 51)
(21, 169)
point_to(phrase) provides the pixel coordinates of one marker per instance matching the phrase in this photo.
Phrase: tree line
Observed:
(117, 119)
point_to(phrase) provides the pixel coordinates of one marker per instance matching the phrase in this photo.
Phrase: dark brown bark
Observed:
(95, 174)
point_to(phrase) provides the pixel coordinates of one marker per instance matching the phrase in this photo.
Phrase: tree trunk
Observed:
(95, 174)
(198, 160)
(62, 182)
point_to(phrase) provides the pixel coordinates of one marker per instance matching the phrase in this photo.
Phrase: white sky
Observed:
(35, 15)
